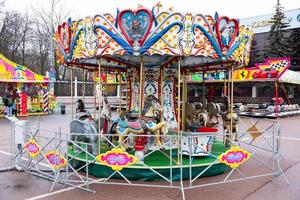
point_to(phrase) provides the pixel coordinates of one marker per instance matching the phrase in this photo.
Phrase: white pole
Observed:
(75, 84)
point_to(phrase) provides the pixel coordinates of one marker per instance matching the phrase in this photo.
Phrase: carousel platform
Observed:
(160, 163)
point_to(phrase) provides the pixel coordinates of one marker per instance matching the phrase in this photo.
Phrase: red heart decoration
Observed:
(219, 34)
(134, 22)
(65, 42)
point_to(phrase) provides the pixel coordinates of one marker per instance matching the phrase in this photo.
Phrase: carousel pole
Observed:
(99, 104)
(228, 86)
(178, 112)
(95, 94)
(126, 92)
(132, 94)
(230, 101)
(120, 90)
(224, 89)
(231, 105)
(203, 89)
(83, 85)
(72, 100)
(141, 86)
(227, 91)
(184, 100)
(161, 90)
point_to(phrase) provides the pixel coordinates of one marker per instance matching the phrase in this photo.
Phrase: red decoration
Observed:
(207, 129)
(23, 102)
(219, 34)
(66, 28)
(140, 143)
(135, 13)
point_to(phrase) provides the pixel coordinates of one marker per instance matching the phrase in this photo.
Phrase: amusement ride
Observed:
(160, 135)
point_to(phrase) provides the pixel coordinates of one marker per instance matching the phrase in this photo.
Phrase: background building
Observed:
(261, 26)
(259, 91)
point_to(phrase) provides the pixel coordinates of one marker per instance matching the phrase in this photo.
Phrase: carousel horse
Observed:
(85, 129)
(230, 122)
(194, 116)
(105, 114)
(207, 114)
(146, 123)
(213, 112)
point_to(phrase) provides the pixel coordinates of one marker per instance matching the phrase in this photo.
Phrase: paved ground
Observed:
(19, 185)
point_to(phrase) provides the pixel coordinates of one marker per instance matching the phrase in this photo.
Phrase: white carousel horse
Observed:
(145, 123)
(194, 116)
(213, 111)
(106, 110)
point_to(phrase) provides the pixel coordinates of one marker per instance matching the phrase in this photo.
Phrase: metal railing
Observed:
(261, 138)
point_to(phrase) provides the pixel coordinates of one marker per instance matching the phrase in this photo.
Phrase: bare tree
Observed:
(14, 36)
(46, 21)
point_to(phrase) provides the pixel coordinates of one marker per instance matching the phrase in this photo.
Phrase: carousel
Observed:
(160, 135)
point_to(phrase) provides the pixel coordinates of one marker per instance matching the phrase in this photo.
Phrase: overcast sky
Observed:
(232, 8)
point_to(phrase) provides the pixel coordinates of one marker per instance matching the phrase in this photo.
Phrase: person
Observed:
(8, 103)
(80, 106)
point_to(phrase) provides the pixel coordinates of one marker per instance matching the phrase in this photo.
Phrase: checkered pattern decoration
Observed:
(279, 65)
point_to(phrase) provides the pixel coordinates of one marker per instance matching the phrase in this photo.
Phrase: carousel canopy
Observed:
(12, 72)
(144, 32)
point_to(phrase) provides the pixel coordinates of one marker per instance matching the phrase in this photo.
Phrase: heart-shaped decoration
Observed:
(64, 35)
(135, 25)
(226, 30)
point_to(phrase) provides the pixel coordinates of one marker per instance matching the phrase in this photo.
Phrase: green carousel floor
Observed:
(160, 163)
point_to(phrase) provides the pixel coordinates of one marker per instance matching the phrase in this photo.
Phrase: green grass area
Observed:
(159, 159)
(159, 164)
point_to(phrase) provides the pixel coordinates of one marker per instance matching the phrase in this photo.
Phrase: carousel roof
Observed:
(143, 32)
(13, 72)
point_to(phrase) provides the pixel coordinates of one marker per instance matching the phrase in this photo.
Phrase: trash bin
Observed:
(63, 109)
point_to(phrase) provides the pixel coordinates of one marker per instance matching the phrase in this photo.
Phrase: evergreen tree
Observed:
(255, 54)
(278, 41)
(294, 44)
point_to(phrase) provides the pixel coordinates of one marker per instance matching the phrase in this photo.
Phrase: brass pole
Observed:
(231, 105)
(184, 100)
(178, 112)
(228, 87)
(95, 94)
(141, 86)
(132, 96)
(83, 86)
(126, 81)
(224, 89)
(203, 88)
(120, 90)
(72, 100)
(161, 91)
(99, 103)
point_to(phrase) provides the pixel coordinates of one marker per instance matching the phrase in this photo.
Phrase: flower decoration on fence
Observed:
(234, 157)
(56, 160)
(33, 148)
(117, 159)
